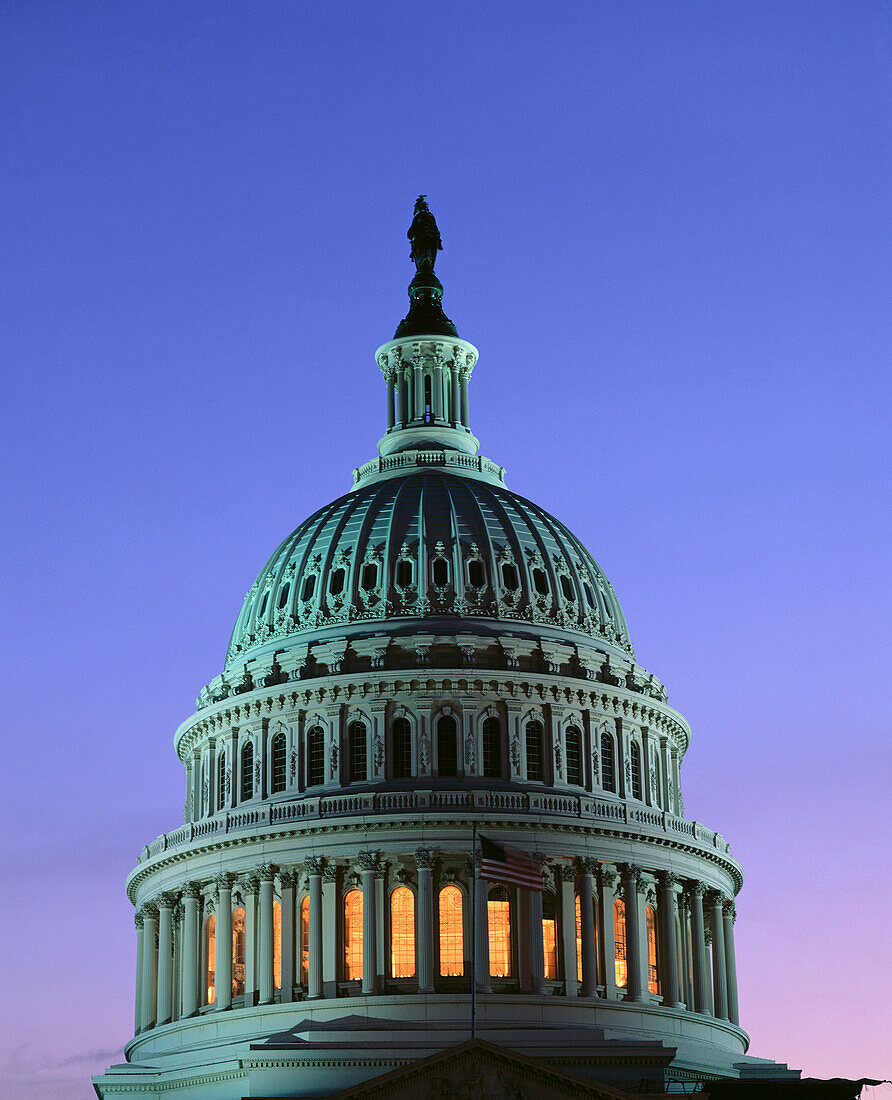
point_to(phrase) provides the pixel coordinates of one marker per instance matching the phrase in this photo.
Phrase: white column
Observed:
(668, 904)
(368, 863)
(424, 861)
(223, 943)
(166, 902)
(189, 1000)
(265, 983)
(139, 921)
(149, 964)
(630, 876)
(729, 914)
(698, 935)
(287, 881)
(587, 928)
(568, 928)
(719, 972)
(313, 867)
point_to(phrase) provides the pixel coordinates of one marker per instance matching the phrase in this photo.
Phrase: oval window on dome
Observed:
(336, 584)
(540, 582)
(509, 576)
(403, 574)
(440, 572)
(589, 595)
(476, 576)
(263, 604)
(309, 586)
(283, 595)
(369, 576)
(567, 587)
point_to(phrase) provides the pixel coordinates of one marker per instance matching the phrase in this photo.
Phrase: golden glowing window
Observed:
(238, 952)
(653, 977)
(619, 938)
(304, 939)
(210, 949)
(277, 944)
(549, 937)
(402, 933)
(452, 941)
(353, 936)
(498, 907)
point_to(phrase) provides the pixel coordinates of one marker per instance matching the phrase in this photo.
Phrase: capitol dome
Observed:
(430, 798)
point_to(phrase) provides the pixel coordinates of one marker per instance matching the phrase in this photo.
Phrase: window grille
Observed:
(356, 738)
(619, 939)
(452, 951)
(247, 776)
(608, 767)
(402, 933)
(238, 952)
(401, 740)
(280, 765)
(574, 756)
(305, 940)
(549, 937)
(221, 781)
(492, 748)
(535, 762)
(447, 746)
(210, 950)
(353, 936)
(498, 908)
(315, 756)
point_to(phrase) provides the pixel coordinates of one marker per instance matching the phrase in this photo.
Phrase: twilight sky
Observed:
(666, 228)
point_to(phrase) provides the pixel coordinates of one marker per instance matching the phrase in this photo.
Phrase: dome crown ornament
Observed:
(425, 316)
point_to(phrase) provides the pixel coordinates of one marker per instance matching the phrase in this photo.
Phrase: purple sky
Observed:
(667, 229)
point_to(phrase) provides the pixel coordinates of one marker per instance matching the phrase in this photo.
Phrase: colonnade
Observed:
(293, 936)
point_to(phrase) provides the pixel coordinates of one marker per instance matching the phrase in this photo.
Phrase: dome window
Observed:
(315, 756)
(369, 576)
(549, 936)
(452, 950)
(535, 754)
(608, 770)
(574, 756)
(356, 752)
(540, 582)
(403, 574)
(263, 603)
(492, 748)
(402, 933)
(336, 584)
(509, 576)
(402, 748)
(308, 588)
(567, 587)
(441, 572)
(635, 769)
(476, 574)
(283, 595)
(447, 747)
(246, 790)
(589, 595)
(221, 781)
(280, 768)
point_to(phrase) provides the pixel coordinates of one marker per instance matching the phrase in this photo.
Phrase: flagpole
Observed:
(474, 932)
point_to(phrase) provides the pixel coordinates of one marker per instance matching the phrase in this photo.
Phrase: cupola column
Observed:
(698, 935)
(368, 863)
(424, 861)
(391, 402)
(668, 911)
(313, 867)
(139, 921)
(166, 903)
(719, 974)
(149, 964)
(265, 983)
(630, 876)
(189, 999)
(223, 943)
(729, 914)
(587, 928)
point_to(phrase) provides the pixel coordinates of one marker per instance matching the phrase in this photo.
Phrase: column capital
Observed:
(631, 873)
(150, 910)
(567, 871)
(330, 871)
(729, 909)
(251, 884)
(288, 879)
(224, 880)
(587, 865)
(607, 876)
(369, 861)
(668, 879)
(139, 918)
(266, 872)
(192, 890)
(167, 899)
(696, 888)
(425, 857)
(715, 898)
(314, 865)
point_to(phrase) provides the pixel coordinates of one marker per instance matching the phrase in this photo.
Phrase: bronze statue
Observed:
(424, 236)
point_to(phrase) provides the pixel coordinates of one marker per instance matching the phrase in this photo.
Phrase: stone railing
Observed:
(405, 460)
(643, 820)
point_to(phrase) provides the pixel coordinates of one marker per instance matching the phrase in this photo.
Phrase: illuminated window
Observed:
(221, 781)
(492, 748)
(549, 937)
(498, 906)
(452, 940)
(305, 940)
(238, 952)
(578, 940)
(447, 746)
(574, 756)
(608, 769)
(353, 936)
(247, 776)
(619, 938)
(277, 944)
(356, 752)
(653, 977)
(315, 756)
(210, 950)
(635, 768)
(535, 762)
(402, 748)
(280, 766)
(403, 574)
(402, 933)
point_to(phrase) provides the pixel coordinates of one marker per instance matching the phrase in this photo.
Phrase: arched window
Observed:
(653, 974)
(492, 748)
(353, 936)
(280, 764)
(567, 587)
(210, 951)
(247, 774)
(535, 754)
(369, 576)
(402, 933)
(336, 584)
(238, 952)
(309, 586)
(619, 939)
(283, 595)
(452, 939)
(356, 752)
(401, 738)
(447, 746)
(476, 574)
(509, 576)
(549, 936)
(221, 781)
(574, 756)
(540, 581)
(498, 910)
(305, 940)
(277, 944)
(635, 769)
(403, 573)
(315, 756)
(608, 768)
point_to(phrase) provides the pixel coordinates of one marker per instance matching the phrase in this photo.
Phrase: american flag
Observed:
(498, 864)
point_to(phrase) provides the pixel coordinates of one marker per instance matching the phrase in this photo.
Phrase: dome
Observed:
(432, 546)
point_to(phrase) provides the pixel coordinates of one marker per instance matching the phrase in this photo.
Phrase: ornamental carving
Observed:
(369, 861)
(333, 759)
(425, 857)
(314, 865)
